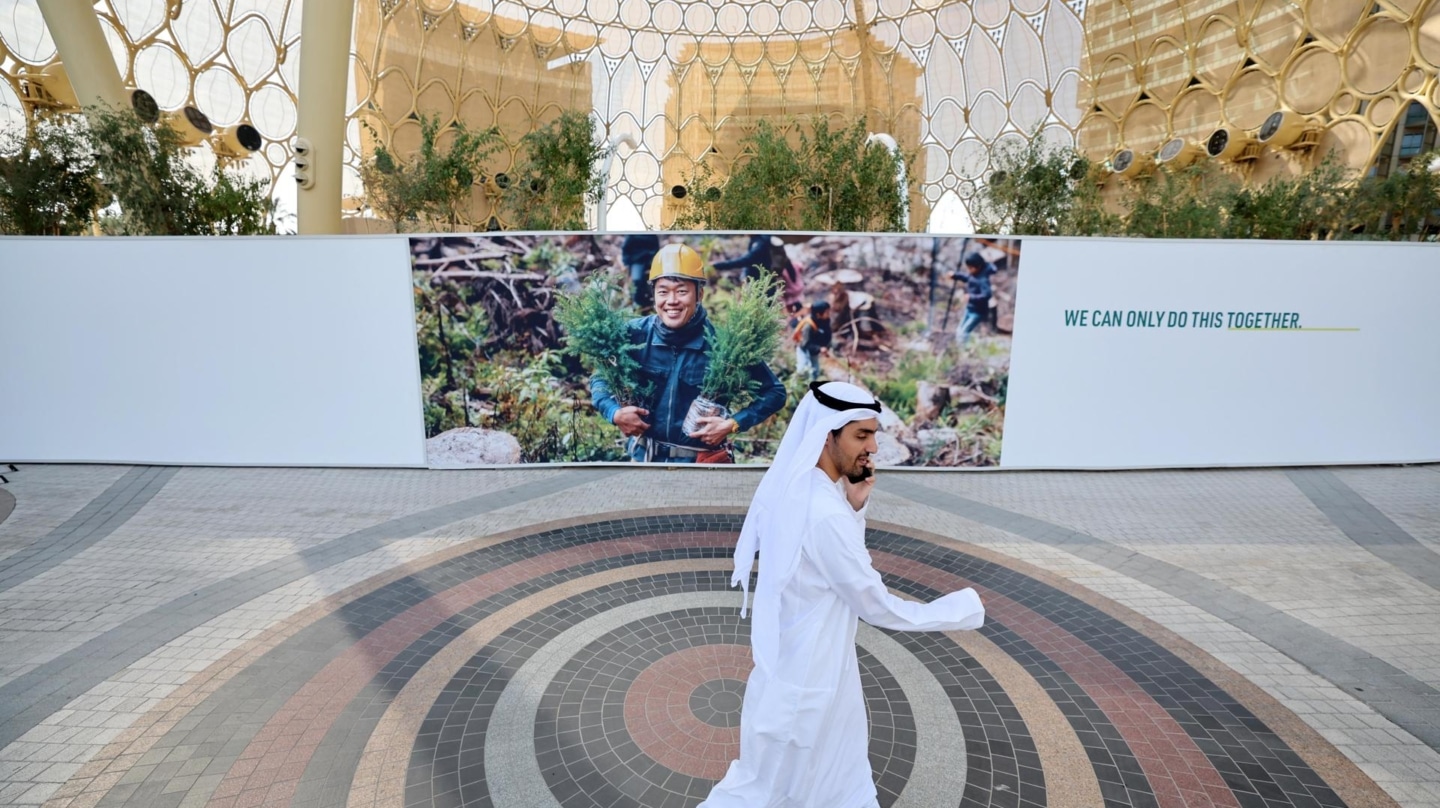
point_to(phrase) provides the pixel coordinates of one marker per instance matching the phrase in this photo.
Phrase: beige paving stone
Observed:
(1250, 530)
(46, 496)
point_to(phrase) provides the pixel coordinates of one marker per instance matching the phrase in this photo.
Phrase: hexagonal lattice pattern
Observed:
(685, 78)
(1161, 70)
(236, 60)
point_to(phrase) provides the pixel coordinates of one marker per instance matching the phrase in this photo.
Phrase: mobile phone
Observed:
(865, 473)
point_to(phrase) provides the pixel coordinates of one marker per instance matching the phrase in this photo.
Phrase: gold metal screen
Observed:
(236, 60)
(685, 78)
(1161, 69)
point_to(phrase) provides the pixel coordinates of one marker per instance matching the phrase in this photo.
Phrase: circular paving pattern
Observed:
(603, 664)
(7, 504)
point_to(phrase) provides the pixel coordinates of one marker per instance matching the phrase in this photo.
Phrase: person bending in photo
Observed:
(812, 336)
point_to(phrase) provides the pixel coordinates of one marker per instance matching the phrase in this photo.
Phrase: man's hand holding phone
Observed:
(858, 486)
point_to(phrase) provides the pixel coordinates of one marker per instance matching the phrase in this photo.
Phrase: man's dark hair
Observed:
(976, 260)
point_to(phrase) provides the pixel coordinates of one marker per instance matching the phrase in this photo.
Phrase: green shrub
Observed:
(49, 183)
(556, 175)
(596, 329)
(828, 179)
(435, 184)
(747, 333)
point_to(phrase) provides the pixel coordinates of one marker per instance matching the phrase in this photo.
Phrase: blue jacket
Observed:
(639, 248)
(675, 374)
(758, 254)
(979, 289)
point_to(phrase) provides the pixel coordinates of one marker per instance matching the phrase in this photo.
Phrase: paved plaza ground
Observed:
(566, 637)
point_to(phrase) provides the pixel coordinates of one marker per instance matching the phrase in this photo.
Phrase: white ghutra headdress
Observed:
(780, 510)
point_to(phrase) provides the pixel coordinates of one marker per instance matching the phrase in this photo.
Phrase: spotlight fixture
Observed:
(1128, 164)
(1287, 130)
(1232, 145)
(1178, 153)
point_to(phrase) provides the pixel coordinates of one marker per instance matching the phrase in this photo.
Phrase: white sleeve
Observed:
(838, 551)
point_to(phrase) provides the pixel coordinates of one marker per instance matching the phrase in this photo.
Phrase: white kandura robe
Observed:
(804, 735)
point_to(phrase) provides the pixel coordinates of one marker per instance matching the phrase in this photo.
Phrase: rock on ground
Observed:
(468, 447)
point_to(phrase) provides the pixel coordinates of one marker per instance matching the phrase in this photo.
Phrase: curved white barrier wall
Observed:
(301, 351)
(239, 351)
(1358, 381)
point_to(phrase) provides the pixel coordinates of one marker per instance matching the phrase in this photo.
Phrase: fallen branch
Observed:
(455, 259)
(494, 276)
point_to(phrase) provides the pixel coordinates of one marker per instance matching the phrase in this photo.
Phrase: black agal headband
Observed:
(839, 403)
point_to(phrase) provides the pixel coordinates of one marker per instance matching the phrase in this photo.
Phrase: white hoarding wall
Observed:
(1165, 353)
(1126, 354)
(244, 351)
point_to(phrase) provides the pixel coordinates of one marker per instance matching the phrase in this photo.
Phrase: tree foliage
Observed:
(787, 178)
(434, 185)
(851, 184)
(136, 176)
(746, 333)
(1040, 190)
(555, 176)
(49, 184)
(1047, 190)
(596, 320)
(158, 192)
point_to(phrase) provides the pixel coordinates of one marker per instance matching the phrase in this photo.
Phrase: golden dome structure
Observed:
(677, 82)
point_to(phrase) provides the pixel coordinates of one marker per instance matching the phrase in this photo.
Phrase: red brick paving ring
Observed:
(603, 662)
(660, 709)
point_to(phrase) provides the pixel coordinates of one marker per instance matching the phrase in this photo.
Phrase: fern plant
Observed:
(596, 323)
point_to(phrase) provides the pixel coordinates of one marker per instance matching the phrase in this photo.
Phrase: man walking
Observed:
(803, 730)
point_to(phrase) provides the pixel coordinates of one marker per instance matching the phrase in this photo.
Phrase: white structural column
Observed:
(325, 32)
(84, 52)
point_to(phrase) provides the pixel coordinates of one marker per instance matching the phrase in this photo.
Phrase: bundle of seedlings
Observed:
(747, 333)
(596, 322)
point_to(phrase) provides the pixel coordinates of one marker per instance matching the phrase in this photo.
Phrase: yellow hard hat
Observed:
(678, 261)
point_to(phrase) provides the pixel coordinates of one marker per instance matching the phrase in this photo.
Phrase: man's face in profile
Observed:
(852, 449)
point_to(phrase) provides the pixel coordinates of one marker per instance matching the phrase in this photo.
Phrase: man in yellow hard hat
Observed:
(673, 360)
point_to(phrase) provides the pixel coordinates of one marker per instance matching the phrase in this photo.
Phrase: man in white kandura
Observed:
(804, 736)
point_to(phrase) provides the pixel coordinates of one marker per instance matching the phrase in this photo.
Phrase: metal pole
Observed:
(325, 30)
(84, 52)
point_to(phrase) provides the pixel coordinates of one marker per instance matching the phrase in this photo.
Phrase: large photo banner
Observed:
(695, 348)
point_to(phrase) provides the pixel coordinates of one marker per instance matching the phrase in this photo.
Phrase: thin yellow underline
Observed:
(1237, 328)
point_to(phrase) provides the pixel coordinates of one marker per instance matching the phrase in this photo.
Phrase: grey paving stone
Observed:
(1366, 525)
(95, 521)
(1410, 703)
(28, 699)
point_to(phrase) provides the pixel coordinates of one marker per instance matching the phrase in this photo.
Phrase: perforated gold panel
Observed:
(1160, 69)
(949, 80)
(686, 80)
(233, 59)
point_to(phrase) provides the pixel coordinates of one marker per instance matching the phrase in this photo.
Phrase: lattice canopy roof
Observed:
(685, 78)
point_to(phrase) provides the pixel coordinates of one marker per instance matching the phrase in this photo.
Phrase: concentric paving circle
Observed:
(604, 664)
